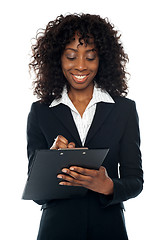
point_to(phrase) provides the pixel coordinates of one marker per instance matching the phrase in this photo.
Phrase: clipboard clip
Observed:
(84, 148)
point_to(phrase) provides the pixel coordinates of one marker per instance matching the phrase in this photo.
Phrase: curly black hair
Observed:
(51, 42)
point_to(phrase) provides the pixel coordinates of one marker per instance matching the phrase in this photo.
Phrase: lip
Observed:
(80, 78)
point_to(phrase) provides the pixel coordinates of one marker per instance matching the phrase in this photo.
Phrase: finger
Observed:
(69, 179)
(76, 175)
(71, 145)
(84, 171)
(58, 145)
(70, 184)
(62, 139)
(60, 142)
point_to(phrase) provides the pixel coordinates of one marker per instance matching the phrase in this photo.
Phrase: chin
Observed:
(81, 85)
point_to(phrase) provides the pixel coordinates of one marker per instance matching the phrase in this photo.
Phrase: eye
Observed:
(71, 58)
(90, 59)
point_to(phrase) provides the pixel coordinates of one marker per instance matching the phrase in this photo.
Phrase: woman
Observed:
(81, 82)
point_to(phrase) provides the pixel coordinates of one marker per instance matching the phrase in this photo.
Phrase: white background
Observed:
(139, 23)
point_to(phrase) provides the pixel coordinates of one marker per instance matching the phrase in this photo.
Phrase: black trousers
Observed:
(82, 219)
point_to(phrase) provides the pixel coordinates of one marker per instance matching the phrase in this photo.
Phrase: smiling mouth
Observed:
(80, 78)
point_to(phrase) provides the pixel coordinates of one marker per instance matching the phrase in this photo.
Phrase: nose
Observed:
(80, 64)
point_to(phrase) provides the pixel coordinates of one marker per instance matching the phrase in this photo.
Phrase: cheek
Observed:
(94, 68)
(66, 70)
(66, 65)
(95, 64)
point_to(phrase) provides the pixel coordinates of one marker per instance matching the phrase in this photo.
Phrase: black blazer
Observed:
(115, 126)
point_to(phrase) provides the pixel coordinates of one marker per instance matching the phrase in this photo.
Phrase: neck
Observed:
(81, 95)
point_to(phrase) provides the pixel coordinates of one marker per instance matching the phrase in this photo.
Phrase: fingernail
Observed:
(59, 176)
(71, 168)
(61, 183)
(70, 146)
(64, 170)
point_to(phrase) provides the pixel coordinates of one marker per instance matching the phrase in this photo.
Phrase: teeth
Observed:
(80, 77)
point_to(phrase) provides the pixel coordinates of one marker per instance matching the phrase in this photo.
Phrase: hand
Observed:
(62, 142)
(95, 180)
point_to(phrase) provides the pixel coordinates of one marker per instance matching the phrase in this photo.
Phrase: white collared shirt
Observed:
(83, 123)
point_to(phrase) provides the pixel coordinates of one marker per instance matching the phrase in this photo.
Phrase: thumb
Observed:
(71, 145)
(103, 170)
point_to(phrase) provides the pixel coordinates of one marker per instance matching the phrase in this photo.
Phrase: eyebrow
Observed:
(75, 50)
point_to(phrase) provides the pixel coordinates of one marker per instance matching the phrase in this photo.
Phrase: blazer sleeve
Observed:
(130, 182)
(35, 138)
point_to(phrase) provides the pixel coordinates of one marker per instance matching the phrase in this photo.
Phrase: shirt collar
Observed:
(64, 99)
(99, 95)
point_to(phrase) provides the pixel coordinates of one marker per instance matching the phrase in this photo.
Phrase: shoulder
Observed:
(38, 106)
(43, 110)
(125, 105)
(124, 102)
(38, 110)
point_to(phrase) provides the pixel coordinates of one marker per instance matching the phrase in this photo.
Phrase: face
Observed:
(80, 63)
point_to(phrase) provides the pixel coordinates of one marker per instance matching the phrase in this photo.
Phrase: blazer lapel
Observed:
(64, 114)
(102, 112)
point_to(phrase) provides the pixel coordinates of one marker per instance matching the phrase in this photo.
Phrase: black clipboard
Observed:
(42, 182)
